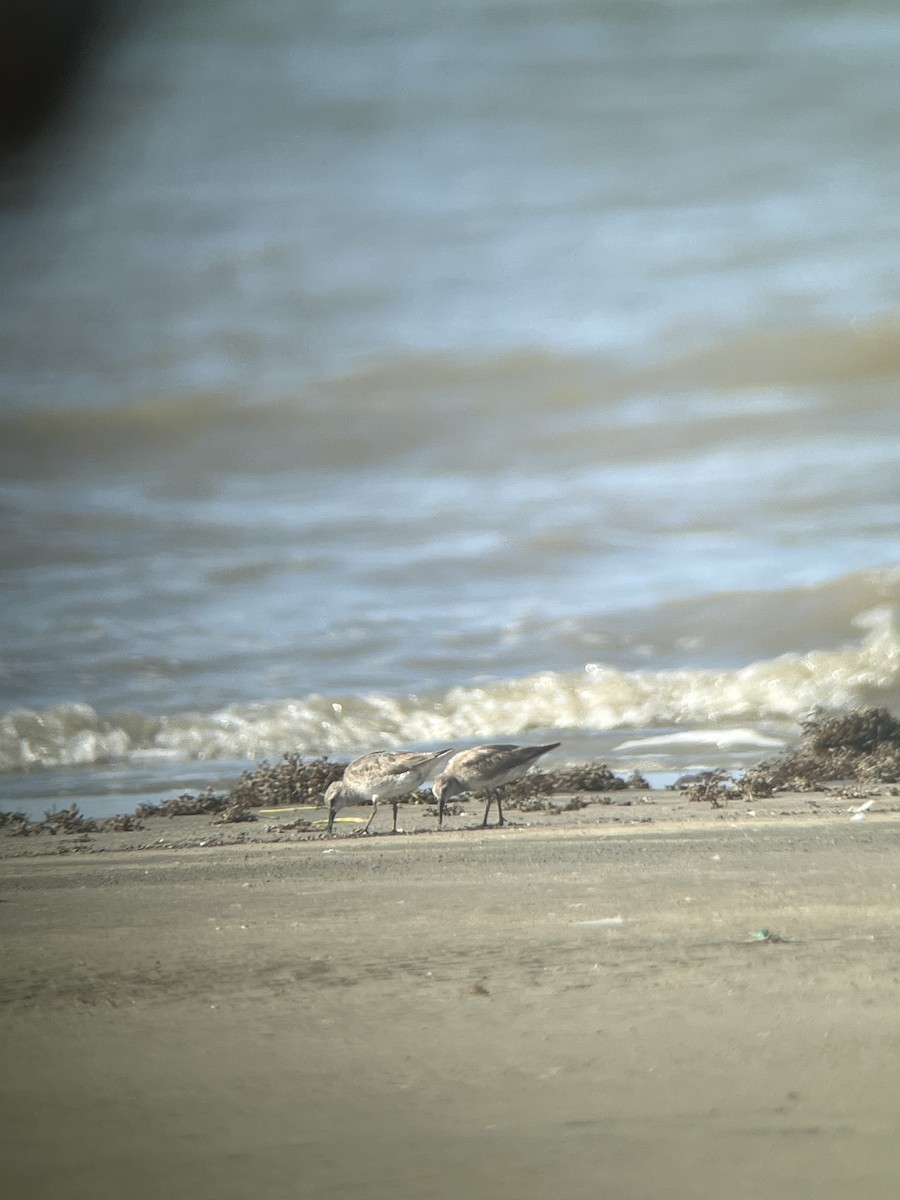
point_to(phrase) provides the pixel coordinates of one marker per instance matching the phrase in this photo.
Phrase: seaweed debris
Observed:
(12, 818)
(637, 782)
(236, 811)
(122, 823)
(188, 804)
(591, 777)
(291, 781)
(65, 820)
(862, 746)
(532, 792)
(712, 787)
(299, 824)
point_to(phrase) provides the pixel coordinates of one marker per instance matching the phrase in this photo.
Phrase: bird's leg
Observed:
(500, 820)
(394, 806)
(372, 818)
(441, 813)
(487, 809)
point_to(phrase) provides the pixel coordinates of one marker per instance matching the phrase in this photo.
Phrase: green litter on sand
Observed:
(768, 935)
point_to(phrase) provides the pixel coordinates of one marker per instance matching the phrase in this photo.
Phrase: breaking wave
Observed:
(597, 698)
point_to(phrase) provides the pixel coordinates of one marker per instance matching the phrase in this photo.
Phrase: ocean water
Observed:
(384, 375)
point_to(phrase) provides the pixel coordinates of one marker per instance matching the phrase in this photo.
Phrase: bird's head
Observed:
(445, 788)
(335, 800)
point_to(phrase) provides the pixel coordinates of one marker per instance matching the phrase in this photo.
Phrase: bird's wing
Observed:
(486, 757)
(410, 762)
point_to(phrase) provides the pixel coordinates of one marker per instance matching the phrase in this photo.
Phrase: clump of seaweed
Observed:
(537, 802)
(299, 824)
(188, 804)
(12, 818)
(17, 824)
(862, 745)
(711, 788)
(67, 820)
(121, 823)
(590, 777)
(236, 811)
(291, 781)
(864, 730)
(573, 804)
(525, 793)
(55, 821)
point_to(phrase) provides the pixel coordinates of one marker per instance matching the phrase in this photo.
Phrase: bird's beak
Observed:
(331, 816)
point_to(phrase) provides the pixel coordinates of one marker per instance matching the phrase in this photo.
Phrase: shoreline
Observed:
(625, 808)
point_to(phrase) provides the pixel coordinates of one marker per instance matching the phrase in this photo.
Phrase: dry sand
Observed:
(440, 1016)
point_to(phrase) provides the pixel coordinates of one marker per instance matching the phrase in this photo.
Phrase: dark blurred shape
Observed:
(45, 48)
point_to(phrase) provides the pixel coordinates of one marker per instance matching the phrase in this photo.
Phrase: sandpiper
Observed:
(383, 775)
(482, 769)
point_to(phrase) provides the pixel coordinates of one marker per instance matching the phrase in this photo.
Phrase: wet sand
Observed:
(435, 1016)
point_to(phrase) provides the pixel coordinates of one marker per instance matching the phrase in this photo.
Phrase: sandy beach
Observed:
(584, 1004)
(429, 379)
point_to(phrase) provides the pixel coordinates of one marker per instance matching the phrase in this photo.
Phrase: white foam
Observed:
(700, 703)
(722, 739)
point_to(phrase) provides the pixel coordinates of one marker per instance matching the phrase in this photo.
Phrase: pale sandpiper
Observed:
(383, 775)
(482, 769)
